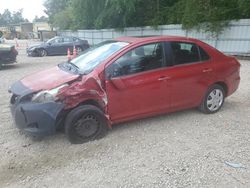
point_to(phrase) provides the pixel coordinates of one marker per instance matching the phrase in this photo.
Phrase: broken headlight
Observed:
(47, 95)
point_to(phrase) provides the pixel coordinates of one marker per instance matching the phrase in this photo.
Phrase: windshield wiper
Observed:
(74, 65)
(70, 67)
(77, 69)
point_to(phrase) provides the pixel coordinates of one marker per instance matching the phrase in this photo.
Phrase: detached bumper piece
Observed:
(36, 119)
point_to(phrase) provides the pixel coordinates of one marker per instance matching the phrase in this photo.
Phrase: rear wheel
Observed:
(85, 123)
(78, 49)
(213, 99)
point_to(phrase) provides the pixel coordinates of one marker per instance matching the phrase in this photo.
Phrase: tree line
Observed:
(8, 18)
(210, 15)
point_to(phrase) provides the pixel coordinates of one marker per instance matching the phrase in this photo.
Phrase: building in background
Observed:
(41, 26)
(43, 31)
(27, 30)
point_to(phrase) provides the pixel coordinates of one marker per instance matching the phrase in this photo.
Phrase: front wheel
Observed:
(42, 52)
(78, 49)
(85, 123)
(213, 99)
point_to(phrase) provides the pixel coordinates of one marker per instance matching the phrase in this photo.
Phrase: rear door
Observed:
(191, 74)
(67, 43)
(136, 83)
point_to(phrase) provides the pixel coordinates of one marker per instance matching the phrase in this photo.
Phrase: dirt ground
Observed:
(182, 149)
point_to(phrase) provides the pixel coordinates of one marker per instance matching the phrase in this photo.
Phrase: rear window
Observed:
(75, 39)
(67, 39)
(185, 52)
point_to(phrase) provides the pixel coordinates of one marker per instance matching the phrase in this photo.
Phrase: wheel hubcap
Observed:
(215, 100)
(43, 53)
(78, 50)
(87, 126)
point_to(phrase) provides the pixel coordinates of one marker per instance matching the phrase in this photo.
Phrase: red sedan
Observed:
(120, 80)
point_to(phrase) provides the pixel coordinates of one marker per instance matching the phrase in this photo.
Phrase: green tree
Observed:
(209, 15)
(54, 7)
(12, 17)
(40, 19)
(244, 8)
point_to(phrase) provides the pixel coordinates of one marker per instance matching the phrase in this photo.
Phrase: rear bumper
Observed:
(233, 84)
(36, 119)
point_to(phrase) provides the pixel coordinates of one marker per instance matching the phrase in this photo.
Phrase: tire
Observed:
(85, 123)
(42, 52)
(213, 100)
(78, 49)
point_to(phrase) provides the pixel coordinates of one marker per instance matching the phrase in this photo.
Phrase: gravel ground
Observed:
(183, 149)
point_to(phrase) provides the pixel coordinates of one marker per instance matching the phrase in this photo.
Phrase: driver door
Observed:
(55, 46)
(136, 84)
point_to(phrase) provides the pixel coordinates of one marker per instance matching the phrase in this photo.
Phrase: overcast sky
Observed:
(31, 8)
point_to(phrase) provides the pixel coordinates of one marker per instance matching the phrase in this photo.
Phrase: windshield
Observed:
(50, 40)
(96, 55)
(54, 40)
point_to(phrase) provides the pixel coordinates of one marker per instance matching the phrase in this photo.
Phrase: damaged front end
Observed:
(87, 90)
(42, 113)
(33, 115)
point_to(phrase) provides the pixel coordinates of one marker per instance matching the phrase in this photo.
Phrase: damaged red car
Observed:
(120, 80)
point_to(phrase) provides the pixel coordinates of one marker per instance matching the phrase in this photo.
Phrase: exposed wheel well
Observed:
(91, 102)
(224, 85)
(61, 118)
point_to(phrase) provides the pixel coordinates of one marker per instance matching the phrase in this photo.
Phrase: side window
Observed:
(58, 40)
(204, 55)
(75, 39)
(185, 53)
(143, 58)
(67, 40)
(53, 41)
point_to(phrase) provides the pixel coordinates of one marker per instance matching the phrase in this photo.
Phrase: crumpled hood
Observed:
(43, 80)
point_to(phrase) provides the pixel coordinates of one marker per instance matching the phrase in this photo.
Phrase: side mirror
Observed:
(49, 43)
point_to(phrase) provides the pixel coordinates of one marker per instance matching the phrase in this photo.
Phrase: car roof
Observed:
(138, 39)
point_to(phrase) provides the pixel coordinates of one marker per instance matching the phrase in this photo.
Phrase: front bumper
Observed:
(32, 53)
(36, 119)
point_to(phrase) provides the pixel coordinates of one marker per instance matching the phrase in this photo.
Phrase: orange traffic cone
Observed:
(74, 52)
(68, 54)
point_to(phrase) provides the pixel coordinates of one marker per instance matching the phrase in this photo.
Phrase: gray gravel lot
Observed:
(183, 149)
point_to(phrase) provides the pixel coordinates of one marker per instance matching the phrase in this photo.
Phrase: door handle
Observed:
(207, 70)
(163, 78)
